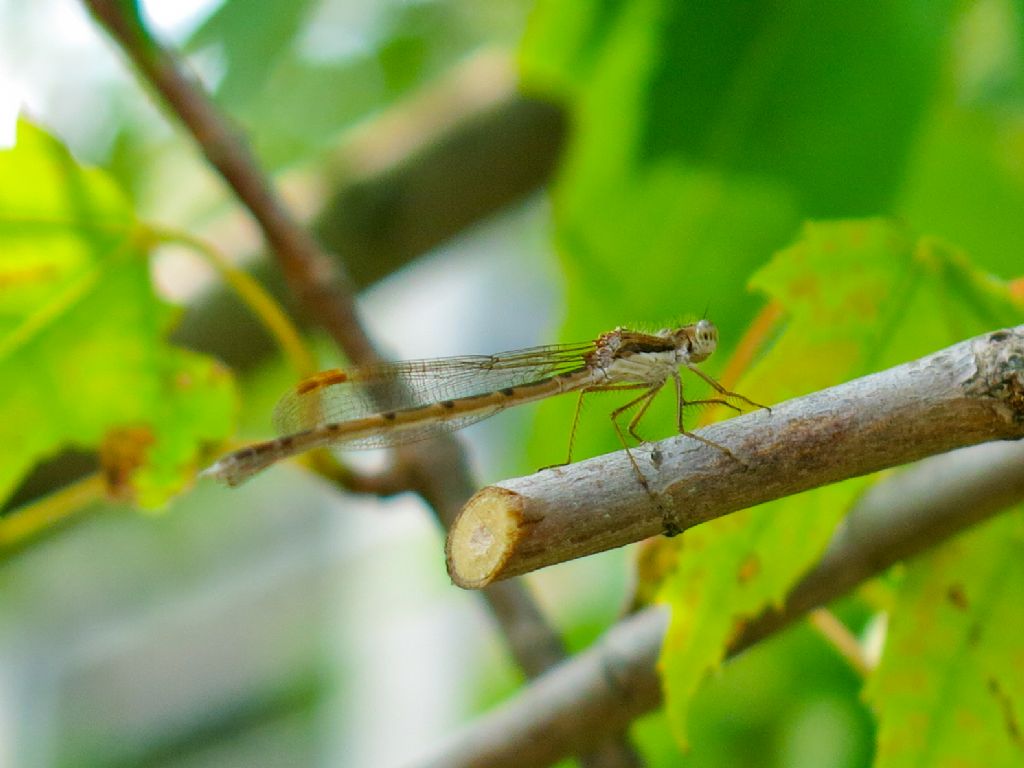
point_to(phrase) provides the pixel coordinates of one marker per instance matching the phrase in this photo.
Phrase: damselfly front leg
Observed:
(723, 391)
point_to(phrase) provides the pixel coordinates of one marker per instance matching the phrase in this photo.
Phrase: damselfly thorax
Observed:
(388, 404)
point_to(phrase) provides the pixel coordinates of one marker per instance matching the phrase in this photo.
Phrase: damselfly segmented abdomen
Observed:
(377, 430)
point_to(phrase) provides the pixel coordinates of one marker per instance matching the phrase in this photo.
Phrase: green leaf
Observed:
(564, 40)
(794, 91)
(703, 133)
(252, 35)
(950, 686)
(83, 361)
(297, 75)
(966, 184)
(297, 111)
(860, 296)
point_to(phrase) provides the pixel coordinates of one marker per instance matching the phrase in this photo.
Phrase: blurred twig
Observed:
(261, 305)
(405, 181)
(841, 638)
(616, 681)
(469, 145)
(318, 282)
(438, 473)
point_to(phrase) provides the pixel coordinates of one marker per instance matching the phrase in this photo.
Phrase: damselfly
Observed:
(399, 402)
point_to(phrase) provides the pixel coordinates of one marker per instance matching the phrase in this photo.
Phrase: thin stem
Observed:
(20, 526)
(263, 306)
(317, 280)
(841, 638)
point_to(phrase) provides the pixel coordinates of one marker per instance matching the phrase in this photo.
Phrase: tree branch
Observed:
(437, 473)
(318, 282)
(615, 681)
(966, 394)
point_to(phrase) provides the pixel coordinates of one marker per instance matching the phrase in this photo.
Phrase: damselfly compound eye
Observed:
(705, 336)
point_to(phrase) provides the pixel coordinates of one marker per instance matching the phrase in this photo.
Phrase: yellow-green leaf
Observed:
(859, 295)
(954, 662)
(83, 357)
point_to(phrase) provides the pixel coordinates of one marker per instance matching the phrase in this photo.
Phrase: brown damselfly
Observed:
(390, 403)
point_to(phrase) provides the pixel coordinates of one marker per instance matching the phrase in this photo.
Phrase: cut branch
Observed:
(615, 681)
(969, 393)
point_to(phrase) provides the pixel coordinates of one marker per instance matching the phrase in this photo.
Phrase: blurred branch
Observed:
(462, 148)
(438, 473)
(318, 282)
(966, 394)
(423, 171)
(615, 681)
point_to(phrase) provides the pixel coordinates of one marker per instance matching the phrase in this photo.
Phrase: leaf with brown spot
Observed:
(953, 667)
(83, 353)
(122, 452)
(956, 595)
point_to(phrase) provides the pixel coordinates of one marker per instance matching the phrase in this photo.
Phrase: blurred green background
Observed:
(494, 175)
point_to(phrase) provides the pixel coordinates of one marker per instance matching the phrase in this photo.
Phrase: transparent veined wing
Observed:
(428, 429)
(337, 396)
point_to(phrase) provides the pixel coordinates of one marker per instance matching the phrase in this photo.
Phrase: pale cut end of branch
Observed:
(484, 536)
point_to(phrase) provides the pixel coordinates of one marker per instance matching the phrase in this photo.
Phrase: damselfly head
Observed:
(703, 340)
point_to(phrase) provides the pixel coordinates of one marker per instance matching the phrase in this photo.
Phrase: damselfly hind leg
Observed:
(579, 409)
(572, 434)
(574, 425)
